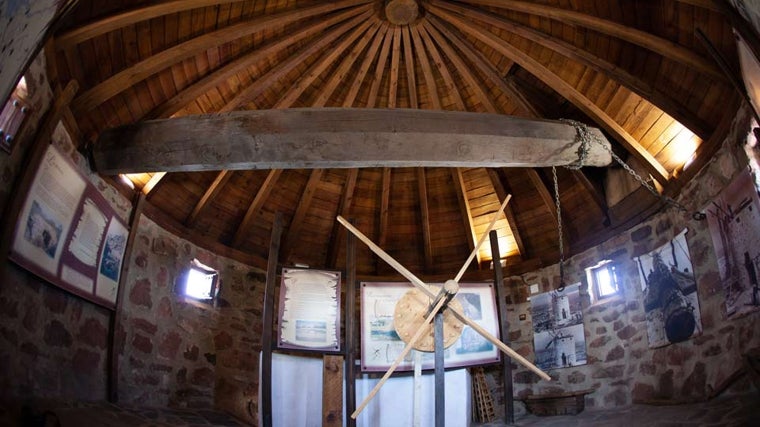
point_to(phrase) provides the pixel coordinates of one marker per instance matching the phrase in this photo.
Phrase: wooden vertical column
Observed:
(440, 387)
(350, 328)
(115, 318)
(266, 334)
(332, 390)
(506, 362)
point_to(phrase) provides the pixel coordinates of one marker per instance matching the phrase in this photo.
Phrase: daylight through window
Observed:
(200, 282)
(603, 280)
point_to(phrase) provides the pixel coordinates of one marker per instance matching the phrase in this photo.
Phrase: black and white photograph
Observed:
(670, 293)
(42, 229)
(734, 221)
(558, 335)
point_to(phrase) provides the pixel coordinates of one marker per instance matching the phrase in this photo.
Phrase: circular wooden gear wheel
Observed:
(409, 316)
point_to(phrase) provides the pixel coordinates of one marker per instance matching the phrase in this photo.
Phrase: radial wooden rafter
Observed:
(220, 75)
(211, 192)
(255, 206)
(297, 223)
(282, 69)
(561, 87)
(664, 47)
(636, 84)
(166, 58)
(427, 246)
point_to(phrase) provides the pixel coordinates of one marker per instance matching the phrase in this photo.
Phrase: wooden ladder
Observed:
(484, 412)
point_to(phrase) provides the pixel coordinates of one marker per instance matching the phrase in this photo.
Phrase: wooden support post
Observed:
(506, 362)
(268, 314)
(440, 389)
(350, 328)
(115, 318)
(332, 390)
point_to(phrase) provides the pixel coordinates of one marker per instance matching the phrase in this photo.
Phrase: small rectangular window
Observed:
(200, 282)
(603, 280)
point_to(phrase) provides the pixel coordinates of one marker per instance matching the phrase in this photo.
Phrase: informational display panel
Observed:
(380, 344)
(68, 234)
(309, 310)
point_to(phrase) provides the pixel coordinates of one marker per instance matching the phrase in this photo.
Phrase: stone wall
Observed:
(621, 367)
(52, 344)
(186, 354)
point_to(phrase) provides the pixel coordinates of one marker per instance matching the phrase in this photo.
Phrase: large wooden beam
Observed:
(340, 138)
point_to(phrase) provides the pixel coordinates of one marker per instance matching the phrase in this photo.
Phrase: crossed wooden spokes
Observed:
(426, 289)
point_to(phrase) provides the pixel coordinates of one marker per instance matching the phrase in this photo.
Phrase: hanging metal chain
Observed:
(559, 232)
(585, 136)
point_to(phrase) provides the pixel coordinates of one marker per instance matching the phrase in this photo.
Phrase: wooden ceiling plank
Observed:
(380, 69)
(634, 83)
(297, 223)
(410, 72)
(451, 87)
(564, 89)
(369, 58)
(464, 70)
(659, 45)
(261, 84)
(166, 58)
(340, 138)
(217, 77)
(385, 198)
(258, 202)
(211, 192)
(78, 35)
(485, 67)
(340, 75)
(395, 60)
(427, 71)
(502, 194)
(464, 208)
(295, 91)
(339, 232)
(425, 219)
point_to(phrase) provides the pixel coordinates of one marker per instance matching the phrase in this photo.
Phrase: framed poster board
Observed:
(309, 310)
(380, 344)
(68, 234)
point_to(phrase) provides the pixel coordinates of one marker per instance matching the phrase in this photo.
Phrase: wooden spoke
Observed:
(425, 218)
(502, 194)
(464, 209)
(297, 223)
(338, 232)
(385, 198)
(419, 284)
